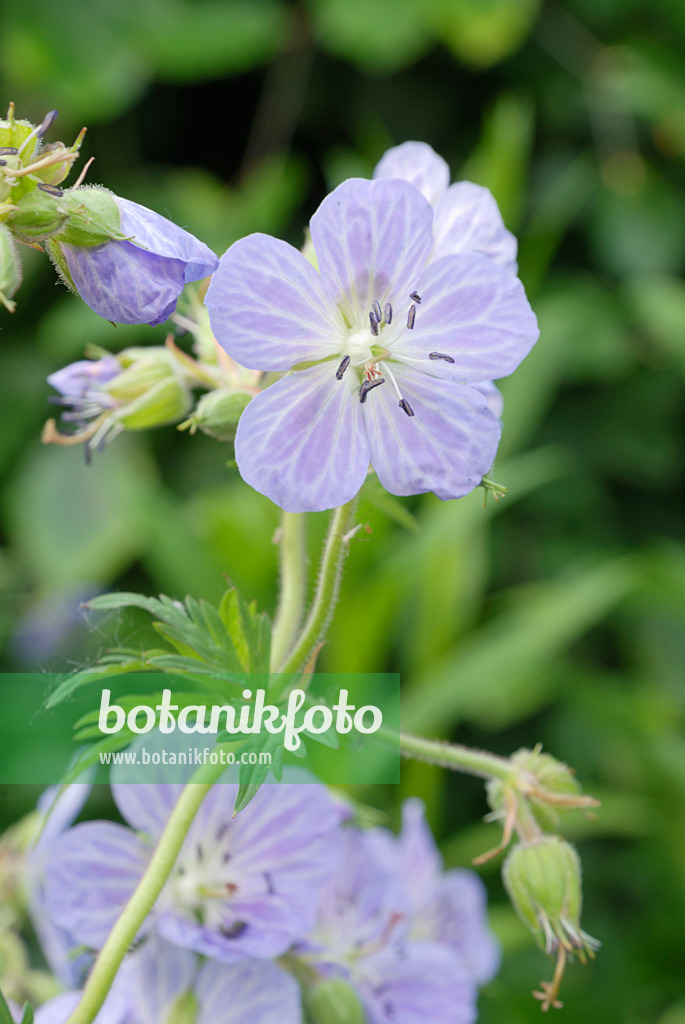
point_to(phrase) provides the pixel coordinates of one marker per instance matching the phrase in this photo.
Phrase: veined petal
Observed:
(161, 236)
(418, 163)
(423, 984)
(267, 306)
(475, 313)
(447, 446)
(154, 976)
(467, 219)
(93, 870)
(124, 283)
(371, 237)
(146, 806)
(251, 992)
(493, 396)
(302, 443)
(263, 930)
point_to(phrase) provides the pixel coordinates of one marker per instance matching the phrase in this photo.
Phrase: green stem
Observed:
(293, 576)
(143, 898)
(335, 549)
(456, 757)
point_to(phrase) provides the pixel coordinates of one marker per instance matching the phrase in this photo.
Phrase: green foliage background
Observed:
(557, 616)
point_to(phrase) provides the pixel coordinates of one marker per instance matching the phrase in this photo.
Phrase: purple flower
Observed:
(447, 907)
(362, 936)
(384, 345)
(240, 887)
(152, 979)
(138, 281)
(467, 218)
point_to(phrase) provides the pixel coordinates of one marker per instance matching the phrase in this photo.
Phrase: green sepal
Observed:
(94, 217)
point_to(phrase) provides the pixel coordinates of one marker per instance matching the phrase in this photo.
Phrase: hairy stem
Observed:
(293, 577)
(143, 898)
(326, 595)
(456, 757)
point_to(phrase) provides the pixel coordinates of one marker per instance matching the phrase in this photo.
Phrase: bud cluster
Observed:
(542, 873)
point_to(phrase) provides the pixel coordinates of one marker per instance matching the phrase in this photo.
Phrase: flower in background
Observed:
(154, 981)
(363, 936)
(241, 887)
(467, 218)
(126, 262)
(386, 347)
(446, 906)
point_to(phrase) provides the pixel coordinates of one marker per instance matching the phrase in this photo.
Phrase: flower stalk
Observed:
(145, 894)
(293, 558)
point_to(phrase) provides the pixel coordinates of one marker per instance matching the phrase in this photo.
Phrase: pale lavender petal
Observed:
(493, 396)
(420, 863)
(460, 921)
(418, 163)
(267, 306)
(424, 983)
(467, 219)
(154, 976)
(146, 806)
(302, 443)
(475, 313)
(249, 993)
(58, 1009)
(447, 446)
(372, 239)
(126, 284)
(259, 928)
(159, 235)
(75, 380)
(93, 869)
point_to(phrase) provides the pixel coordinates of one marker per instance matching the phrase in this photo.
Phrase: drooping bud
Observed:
(10, 269)
(333, 1001)
(544, 884)
(217, 413)
(93, 217)
(37, 216)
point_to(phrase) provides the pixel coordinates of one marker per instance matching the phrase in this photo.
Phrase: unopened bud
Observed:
(333, 1001)
(217, 413)
(94, 217)
(543, 880)
(150, 391)
(37, 216)
(10, 269)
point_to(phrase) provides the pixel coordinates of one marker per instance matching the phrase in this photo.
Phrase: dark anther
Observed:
(222, 830)
(50, 189)
(377, 312)
(269, 883)
(388, 313)
(8, 151)
(232, 931)
(48, 120)
(405, 407)
(200, 852)
(411, 317)
(440, 355)
(369, 385)
(374, 324)
(341, 369)
(416, 297)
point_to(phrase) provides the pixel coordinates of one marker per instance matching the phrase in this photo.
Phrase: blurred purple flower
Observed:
(466, 219)
(152, 978)
(138, 281)
(241, 887)
(448, 907)
(387, 347)
(363, 937)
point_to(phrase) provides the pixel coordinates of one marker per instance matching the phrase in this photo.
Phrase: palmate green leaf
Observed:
(27, 1014)
(132, 700)
(71, 683)
(249, 630)
(252, 776)
(91, 755)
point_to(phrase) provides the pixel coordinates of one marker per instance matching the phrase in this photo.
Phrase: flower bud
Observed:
(217, 413)
(37, 216)
(149, 391)
(543, 880)
(93, 217)
(10, 269)
(333, 1001)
